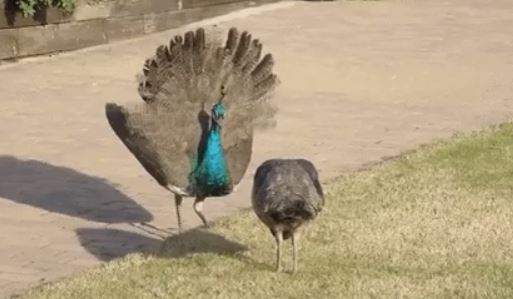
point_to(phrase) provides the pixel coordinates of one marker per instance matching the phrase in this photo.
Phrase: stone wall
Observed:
(52, 31)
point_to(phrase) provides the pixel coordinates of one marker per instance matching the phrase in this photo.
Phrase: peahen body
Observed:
(286, 194)
(188, 150)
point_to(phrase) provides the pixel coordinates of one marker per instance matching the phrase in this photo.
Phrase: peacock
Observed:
(203, 99)
(286, 194)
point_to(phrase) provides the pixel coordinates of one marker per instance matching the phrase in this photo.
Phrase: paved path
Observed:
(361, 80)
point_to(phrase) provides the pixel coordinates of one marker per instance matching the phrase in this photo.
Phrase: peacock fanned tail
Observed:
(179, 85)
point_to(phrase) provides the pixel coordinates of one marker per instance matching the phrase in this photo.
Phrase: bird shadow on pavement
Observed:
(66, 191)
(107, 244)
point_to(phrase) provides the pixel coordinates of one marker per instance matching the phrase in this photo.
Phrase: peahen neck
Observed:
(210, 176)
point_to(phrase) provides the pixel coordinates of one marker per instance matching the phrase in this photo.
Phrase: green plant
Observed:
(29, 7)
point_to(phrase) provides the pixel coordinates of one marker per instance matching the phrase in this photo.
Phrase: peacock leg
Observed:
(279, 240)
(198, 208)
(178, 206)
(295, 245)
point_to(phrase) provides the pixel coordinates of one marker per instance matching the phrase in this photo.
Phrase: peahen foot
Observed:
(279, 241)
(295, 245)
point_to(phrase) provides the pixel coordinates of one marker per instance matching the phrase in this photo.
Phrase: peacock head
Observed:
(218, 113)
(218, 109)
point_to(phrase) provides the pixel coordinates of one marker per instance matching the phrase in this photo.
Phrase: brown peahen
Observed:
(286, 194)
(188, 150)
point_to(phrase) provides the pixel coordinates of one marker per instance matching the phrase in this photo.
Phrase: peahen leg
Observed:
(198, 208)
(178, 206)
(295, 245)
(279, 240)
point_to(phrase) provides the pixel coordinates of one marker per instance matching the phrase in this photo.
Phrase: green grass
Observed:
(436, 223)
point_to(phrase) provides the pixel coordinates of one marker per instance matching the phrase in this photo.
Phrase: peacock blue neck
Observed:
(210, 175)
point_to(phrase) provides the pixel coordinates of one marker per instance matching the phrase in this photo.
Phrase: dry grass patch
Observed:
(437, 223)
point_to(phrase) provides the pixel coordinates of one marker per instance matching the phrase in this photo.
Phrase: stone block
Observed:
(162, 21)
(140, 7)
(77, 35)
(204, 3)
(60, 37)
(201, 13)
(84, 11)
(124, 27)
(172, 19)
(35, 40)
(8, 44)
(56, 16)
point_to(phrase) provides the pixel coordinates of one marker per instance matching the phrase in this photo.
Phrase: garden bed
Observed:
(96, 22)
